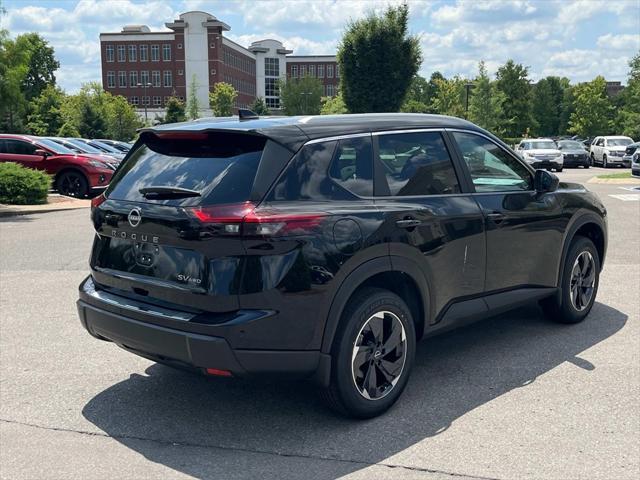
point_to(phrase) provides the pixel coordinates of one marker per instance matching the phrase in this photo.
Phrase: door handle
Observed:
(408, 223)
(495, 217)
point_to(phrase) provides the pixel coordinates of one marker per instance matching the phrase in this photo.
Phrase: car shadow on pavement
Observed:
(160, 413)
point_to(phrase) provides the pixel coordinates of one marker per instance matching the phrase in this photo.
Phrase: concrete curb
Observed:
(16, 210)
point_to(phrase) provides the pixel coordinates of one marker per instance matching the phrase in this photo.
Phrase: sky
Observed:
(578, 39)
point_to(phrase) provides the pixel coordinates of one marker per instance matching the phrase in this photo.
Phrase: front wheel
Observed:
(559, 169)
(604, 161)
(72, 184)
(372, 355)
(580, 278)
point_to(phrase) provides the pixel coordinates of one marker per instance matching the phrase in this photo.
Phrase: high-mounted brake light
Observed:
(246, 219)
(181, 135)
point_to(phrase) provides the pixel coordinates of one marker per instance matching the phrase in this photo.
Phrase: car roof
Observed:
(293, 131)
(616, 137)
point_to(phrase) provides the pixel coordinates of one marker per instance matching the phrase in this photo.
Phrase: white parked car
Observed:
(541, 153)
(609, 150)
(635, 164)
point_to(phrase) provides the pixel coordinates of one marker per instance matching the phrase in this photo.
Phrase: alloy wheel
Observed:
(379, 355)
(71, 185)
(583, 279)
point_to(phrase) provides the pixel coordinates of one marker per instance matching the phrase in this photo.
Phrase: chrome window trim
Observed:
(412, 130)
(335, 137)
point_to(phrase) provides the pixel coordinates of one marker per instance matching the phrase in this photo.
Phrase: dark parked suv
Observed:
(325, 247)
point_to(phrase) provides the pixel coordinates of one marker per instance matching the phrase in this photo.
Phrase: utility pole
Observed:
(468, 86)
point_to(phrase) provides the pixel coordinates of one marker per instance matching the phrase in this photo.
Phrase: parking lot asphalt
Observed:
(514, 396)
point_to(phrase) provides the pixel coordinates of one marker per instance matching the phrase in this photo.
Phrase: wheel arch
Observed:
(64, 170)
(396, 274)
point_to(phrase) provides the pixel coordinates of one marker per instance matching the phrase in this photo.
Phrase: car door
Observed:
(22, 152)
(524, 228)
(427, 215)
(599, 149)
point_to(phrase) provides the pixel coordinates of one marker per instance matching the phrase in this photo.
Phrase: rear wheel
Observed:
(559, 169)
(72, 184)
(604, 161)
(372, 355)
(593, 160)
(580, 277)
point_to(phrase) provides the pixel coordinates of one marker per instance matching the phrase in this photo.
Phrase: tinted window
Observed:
(222, 167)
(312, 175)
(491, 168)
(19, 147)
(417, 164)
(352, 166)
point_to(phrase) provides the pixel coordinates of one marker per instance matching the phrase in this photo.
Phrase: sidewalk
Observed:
(54, 203)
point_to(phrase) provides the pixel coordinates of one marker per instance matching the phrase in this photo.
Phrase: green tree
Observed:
(513, 82)
(301, 96)
(414, 106)
(333, 106)
(92, 122)
(192, 103)
(593, 109)
(122, 119)
(46, 114)
(418, 96)
(449, 97)
(485, 102)
(567, 107)
(378, 60)
(259, 106)
(68, 129)
(175, 111)
(13, 71)
(543, 109)
(628, 117)
(222, 99)
(41, 64)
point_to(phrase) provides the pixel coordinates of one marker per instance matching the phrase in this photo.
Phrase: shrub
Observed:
(22, 186)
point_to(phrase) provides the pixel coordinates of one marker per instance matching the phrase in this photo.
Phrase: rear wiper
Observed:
(168, 192)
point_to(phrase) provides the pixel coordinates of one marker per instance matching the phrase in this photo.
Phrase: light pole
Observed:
(145, 86)
(468, 86)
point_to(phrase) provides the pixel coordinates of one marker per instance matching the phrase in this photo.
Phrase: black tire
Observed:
(559, 169)
(72, 183)
(586, 165)
(343, 394)
(593, 160)
(604, 162)
(562, 307)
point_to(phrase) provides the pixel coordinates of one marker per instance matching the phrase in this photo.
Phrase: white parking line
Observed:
(627, 197)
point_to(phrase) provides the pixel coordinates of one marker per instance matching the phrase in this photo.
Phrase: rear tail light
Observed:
(247, 220)
(219, 373)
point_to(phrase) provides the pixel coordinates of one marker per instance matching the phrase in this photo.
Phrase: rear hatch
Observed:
(168, 225)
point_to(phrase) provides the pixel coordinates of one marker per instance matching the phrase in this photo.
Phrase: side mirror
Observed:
(42, 153)
(544, 181)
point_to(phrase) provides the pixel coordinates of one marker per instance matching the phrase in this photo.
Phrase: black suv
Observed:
(325, 247)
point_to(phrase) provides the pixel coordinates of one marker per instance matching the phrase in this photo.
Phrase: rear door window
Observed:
(331, 170)
(221, 167)
(417, 164)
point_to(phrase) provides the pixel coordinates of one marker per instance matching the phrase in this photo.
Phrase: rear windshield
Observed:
(221, 167)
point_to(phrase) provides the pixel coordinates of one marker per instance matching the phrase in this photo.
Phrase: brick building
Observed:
(148, 67)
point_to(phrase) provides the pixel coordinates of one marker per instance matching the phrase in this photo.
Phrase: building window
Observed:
(294, 71)
(180, 72)
(166, 52)
(330, 90)
(155, 78)
(168, 78)
(133, 79)
(145, 100)
(337, 71)
(135, 101)
(320, 71)
(312, 70)
(329, 71)
(144, 77)
(155, 53)
(144, 53)
(133, 50)
(179, 46)
(303, 71)
(271, 87)
(272, 102)
(157, 101)
(122, 79)
(122, 53)
(166, 99)
(272, 67)
(111, 79)
(109, 53)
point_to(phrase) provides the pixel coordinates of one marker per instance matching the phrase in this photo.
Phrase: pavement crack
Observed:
(362, 463)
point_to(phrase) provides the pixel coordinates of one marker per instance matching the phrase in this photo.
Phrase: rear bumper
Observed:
(180, 348)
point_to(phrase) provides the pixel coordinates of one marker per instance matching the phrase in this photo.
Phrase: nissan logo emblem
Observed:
(135, 217)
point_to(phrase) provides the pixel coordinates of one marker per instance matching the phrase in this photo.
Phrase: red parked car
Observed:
(74, 174)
